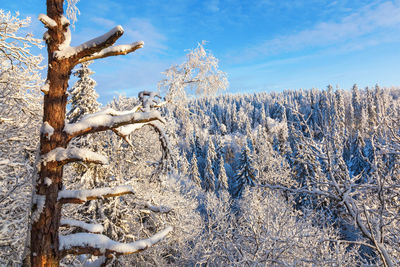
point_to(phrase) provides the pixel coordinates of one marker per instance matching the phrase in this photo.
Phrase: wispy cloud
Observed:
(212, 5)
(108, 23)
(367, 20)
(143, 29)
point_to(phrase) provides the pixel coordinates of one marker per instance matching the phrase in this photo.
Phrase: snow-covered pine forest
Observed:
(295, 178)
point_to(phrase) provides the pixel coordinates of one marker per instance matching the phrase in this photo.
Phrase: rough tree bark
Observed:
(46, 208)
(44, 232)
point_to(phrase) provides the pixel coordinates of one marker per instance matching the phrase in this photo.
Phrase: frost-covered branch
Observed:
(67, 155)
(16, 60)
(165, 145)
(113, 51)
(107, 120)
(147, 207)
(81, 196)
(85, 243)
(93, 228)
(72, 11)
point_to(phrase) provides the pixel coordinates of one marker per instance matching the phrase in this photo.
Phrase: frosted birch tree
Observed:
(199, 75)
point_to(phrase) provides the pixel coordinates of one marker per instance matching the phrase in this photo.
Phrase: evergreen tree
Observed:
(371, 110)
(197, 146)
(246, 172)
(212, 155)
(222, 177)
(359, 113)
(83, 96)
(209, 175)
(340, 112)
(194, 174)
(250, 141)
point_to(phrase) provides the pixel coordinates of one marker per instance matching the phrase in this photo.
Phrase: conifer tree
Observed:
(359, 113)
(194, 174)
(212, 155)
(222, 177)
(83, 95)
(371, 111)
(209, 176)
(340, 113)
(246, 175)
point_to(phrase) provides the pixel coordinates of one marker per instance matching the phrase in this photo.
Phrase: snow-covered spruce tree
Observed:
(208, 182)
(83, 100)
(47, 247)
(194, 174)
(20, 110)
(246, 173)
(83, 97)
(222, 181)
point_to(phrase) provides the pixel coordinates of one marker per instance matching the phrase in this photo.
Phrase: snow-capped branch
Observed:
(95, 45)
(81, 196)
(113, 51)
(67, 155)
(108, 119)
(95, 244)
(93, 228)
(47, 21)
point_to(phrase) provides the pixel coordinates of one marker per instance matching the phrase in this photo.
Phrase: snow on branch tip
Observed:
(81, 196)
(90, 227)
(67, 155)
(114, 51)
(96, 244)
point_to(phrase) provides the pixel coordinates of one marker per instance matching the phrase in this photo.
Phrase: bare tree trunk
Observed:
(44, 232)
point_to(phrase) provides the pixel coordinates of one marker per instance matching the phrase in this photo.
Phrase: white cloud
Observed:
(142, 29)
(366, 21)
(104, 22)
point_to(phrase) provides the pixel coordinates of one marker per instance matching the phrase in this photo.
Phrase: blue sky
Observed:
(263, 45)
